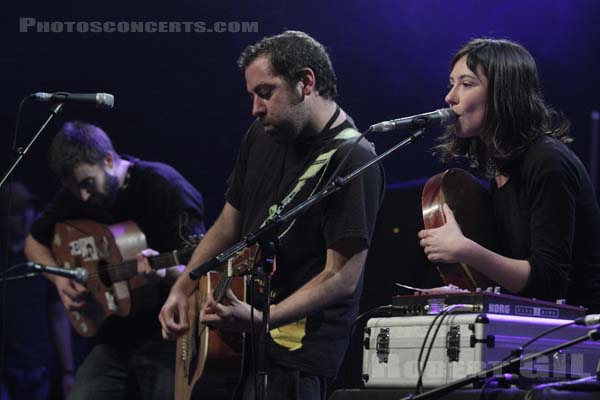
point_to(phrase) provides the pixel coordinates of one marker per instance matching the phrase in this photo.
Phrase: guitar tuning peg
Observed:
(194, 239)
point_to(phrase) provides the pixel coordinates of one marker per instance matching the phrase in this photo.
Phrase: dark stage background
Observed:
(180, 98)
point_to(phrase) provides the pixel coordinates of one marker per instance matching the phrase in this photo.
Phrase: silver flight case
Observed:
(467, 344)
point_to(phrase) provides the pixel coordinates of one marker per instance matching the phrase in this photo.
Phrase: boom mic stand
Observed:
(18, 277)
(278, 220)
(21, 151)
(266, 237)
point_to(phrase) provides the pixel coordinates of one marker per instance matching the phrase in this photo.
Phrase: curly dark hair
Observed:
(515, 113)
(289, 53)
(78, 143)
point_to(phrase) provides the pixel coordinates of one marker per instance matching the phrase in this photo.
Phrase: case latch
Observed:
(453, 343)
(383, 345)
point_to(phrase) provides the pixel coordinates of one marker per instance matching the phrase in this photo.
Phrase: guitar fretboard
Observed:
(128, 269)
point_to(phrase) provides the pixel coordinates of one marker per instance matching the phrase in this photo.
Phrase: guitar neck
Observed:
(128, 269)
(221, 287)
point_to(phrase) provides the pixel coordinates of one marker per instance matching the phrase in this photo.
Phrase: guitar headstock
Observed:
(189, 246)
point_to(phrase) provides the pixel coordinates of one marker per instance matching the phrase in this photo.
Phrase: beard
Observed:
(284, 132)
(107, 198)
(289, 125)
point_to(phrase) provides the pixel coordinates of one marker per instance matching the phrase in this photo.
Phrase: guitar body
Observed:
(472, 207)
(108, 253)
(204, 353)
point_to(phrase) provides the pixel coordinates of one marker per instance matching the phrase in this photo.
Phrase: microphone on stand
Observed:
(78, 274)
(441, 117)
(588, 320)
(101, 100)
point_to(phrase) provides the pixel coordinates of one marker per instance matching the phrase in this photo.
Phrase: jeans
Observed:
(144, 371)
(285, 383)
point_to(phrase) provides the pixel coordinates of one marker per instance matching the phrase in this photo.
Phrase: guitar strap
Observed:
(290, 336)
(311, 178)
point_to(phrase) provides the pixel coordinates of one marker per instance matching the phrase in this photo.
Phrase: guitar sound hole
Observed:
(103, 273)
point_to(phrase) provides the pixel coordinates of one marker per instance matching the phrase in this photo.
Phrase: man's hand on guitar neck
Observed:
(153, 275)
(144, 268)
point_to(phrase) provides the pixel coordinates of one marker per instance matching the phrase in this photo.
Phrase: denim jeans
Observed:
(285, 383)
(144, 371)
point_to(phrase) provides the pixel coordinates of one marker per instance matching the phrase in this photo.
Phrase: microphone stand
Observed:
(22, 151)
(266, 236)
(510, 365)
(264, 271)
(269, 229)
(18, 277)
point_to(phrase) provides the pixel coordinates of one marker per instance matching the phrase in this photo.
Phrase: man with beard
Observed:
(297, 142)
(129, 360)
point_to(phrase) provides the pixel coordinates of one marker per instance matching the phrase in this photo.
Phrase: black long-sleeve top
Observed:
(547, 213)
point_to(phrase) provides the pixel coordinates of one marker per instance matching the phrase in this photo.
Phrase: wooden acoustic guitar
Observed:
(472, 207)
(108, 253)
(206, 355)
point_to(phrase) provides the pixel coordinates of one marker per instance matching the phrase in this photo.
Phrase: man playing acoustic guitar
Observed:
(130, 359)
(299, 138)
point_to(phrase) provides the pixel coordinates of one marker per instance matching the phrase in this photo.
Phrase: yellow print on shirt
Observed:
(290, 336)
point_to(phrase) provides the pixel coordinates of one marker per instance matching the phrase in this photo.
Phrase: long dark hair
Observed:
(515, 113)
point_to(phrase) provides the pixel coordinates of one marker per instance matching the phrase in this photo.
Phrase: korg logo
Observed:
(499, 308)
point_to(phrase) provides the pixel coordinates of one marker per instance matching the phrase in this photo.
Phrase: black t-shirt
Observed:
(547, 213)
(26, 332)
(265, 173)
(157, 198)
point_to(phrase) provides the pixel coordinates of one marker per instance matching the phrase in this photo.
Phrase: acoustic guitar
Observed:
(205, 354)
(108, 253)
(472, 207)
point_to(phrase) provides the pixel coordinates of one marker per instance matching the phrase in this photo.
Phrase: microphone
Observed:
(441, 117)
(101, 100)
(78, 274)
(588, 320)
